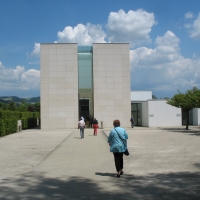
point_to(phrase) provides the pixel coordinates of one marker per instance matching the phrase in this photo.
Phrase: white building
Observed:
(95, 80)
(156, 112)
(83, 81)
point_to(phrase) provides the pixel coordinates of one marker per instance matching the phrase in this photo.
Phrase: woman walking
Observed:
(95, 126)
(117, 146)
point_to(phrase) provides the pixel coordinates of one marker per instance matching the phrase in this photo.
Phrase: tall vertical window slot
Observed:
(85, 81)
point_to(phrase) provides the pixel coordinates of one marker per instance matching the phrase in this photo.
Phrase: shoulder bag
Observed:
(126, 152)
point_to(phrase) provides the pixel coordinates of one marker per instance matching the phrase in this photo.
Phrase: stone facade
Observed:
(59, 85)
(111, 72)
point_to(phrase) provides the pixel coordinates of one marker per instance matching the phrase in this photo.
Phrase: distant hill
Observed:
(10, 98)
(34, 99)
(2, 101)
(7, 99)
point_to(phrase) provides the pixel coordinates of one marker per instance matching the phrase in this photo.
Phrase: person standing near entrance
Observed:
(90, 121)
(95, 126)
(132, 121)
(81, 126)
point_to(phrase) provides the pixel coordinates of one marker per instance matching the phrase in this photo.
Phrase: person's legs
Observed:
(118, 158)
(82, 132)
(117, 161)
(95, 129)
(121, 161)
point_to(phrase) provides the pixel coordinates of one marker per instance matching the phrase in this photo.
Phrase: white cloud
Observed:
(189, 15)
(195, 32)
(167, 50)
(82, 34)
(187, 25)
(163, 68)
(19, 78)
(36, 50)
(133, 27)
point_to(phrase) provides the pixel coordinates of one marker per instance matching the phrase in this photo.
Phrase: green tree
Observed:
(22, 107)
(1, 105)
(154, 97)
(12, 106)
(37, 107)
(187, 101)
(5, 106)
(30, 108)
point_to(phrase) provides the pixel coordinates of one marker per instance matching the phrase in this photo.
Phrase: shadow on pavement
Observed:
(77, 137)
(182, 130)
(105, 174)
(183, 185)
(197, 165)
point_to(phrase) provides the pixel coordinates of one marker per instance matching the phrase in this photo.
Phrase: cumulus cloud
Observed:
(36, 50)
(163, 68)
(167, 50)
(82, 34)
(195, 32)
(189, 15)
(133, 27)
(19, 78)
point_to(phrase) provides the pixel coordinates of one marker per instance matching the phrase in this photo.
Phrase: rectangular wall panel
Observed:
(111, 75)
(59, 86)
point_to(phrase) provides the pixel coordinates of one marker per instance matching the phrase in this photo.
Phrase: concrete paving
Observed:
(164, 163)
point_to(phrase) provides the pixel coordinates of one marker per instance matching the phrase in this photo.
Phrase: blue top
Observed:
(116, 144)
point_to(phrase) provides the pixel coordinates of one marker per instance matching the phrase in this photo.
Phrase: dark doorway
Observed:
(136, 112)
(84, 110)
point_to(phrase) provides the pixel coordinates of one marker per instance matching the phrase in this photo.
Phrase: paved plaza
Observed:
(164, 163)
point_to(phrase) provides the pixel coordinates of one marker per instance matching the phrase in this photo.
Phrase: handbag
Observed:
(126, 152)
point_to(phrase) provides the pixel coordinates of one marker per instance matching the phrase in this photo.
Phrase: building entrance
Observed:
(136, 112)
(85, 81)
(84, 108)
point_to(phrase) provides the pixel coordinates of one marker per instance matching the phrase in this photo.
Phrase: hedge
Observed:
(8, 126)
(8, 121)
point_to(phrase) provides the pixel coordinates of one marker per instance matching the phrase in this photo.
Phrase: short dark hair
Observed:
(116, 123)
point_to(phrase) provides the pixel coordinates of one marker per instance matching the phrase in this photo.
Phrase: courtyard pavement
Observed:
(164, 163)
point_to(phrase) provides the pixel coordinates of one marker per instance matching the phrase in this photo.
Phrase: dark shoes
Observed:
(121, 173)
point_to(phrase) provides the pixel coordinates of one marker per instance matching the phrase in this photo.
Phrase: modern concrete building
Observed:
(95, 80)
(82, 81)
(156, 112)
(153, 113)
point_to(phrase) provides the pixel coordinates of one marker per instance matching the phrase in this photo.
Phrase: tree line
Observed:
(186, 101)
(20, 107)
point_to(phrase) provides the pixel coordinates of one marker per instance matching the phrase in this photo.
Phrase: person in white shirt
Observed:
(81, 126)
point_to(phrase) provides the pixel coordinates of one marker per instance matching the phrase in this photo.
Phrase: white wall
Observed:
(141, 95)
(196, 116)
(145, 119)
(162, 114)
(111, 75)
(59, 86)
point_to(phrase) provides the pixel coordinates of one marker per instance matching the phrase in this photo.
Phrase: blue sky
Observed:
(164, 37)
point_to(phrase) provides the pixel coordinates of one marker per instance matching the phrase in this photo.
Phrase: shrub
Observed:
(8, 121)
